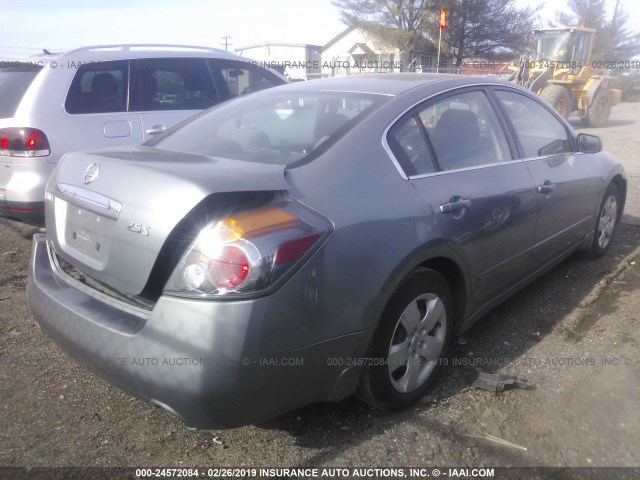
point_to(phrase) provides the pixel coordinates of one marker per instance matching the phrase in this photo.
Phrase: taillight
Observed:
(248, 252)
(230, 269)
(23, 142)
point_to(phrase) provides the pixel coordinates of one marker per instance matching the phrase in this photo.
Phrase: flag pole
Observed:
(439, 42)
(443, 25)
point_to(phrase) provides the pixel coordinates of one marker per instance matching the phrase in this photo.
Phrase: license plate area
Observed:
(88, 235)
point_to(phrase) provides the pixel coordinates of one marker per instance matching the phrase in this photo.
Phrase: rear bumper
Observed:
(22, 188)
(200, 360)
(27, 212)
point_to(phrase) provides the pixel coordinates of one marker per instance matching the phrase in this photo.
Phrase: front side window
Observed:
(239, 78)
(279, 127)
(172, 84)
(98, 88)
(539, 131)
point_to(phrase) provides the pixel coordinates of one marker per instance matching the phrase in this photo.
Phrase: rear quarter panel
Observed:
(383, 229)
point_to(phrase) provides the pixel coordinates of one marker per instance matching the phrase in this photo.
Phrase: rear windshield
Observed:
(275, 126)
(15, 78)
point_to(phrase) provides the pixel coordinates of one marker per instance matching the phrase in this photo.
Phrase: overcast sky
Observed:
(27, 26)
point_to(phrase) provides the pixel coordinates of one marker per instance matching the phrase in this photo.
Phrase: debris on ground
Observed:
(500, 441)
(498, 382)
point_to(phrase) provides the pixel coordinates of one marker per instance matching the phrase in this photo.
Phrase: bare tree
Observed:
(401, 23)
(613, 39)
(493, 29)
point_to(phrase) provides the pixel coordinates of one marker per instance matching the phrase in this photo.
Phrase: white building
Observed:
(352, 52)
(355, 51)
(298, 61)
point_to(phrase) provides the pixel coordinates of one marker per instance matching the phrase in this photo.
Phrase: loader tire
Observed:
(559, 98)
(599, 109)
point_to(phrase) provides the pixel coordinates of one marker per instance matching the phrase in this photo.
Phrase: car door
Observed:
(457, 156)
(166, 91)
(567, 183)
(96, 105)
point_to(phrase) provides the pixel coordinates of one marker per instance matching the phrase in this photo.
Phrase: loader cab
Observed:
(570, 45)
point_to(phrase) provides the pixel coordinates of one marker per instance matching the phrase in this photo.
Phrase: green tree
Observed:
(613, 39)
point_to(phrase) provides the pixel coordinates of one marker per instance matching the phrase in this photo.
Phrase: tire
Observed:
(599, 109)
(608, 216)
(407, 348)
(559, 98)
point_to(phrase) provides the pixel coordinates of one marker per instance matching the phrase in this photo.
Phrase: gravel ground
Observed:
(573, 334)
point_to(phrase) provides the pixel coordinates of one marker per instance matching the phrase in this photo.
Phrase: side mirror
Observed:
(589, 143)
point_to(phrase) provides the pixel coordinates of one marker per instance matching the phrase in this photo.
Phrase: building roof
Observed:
(276, 44)
(339, 37)
(360, 49)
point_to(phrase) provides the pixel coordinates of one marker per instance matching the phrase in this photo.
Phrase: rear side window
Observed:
(464, 131)
(99, 88)
(239, 78)
(410, 148)
(172, 84)
(539, 131)
(15, 79)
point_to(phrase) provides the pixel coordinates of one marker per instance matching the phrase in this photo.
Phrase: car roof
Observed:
(392, 84)
(133, 51)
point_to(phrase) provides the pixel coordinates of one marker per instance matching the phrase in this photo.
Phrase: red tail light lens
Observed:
(23, 142)
(248, 252)
(293, 249)
(231, 269)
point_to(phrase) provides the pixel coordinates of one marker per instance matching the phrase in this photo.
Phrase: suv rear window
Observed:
(15, 78)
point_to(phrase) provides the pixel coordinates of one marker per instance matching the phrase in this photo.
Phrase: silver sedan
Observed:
(313, 241)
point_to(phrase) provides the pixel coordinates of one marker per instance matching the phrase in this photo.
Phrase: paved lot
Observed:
(621, 136)
(573, 334)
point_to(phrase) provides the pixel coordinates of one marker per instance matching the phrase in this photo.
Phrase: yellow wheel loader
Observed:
(565, 76)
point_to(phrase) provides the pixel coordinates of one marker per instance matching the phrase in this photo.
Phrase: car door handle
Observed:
(547, 187)
(455, 204)
(156, 129)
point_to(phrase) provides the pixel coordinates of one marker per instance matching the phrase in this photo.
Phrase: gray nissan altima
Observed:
(313, 241)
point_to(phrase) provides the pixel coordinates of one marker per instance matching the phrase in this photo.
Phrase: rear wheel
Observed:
(599, 109)
(410, 341)
(606, 222)
(559, 98)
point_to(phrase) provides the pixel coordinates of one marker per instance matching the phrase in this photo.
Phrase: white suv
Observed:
(103, 96)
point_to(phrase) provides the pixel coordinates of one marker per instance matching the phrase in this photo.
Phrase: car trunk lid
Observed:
(109, 213)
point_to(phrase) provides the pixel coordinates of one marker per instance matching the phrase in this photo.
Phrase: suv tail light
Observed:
(248, 252)
(23, 142)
